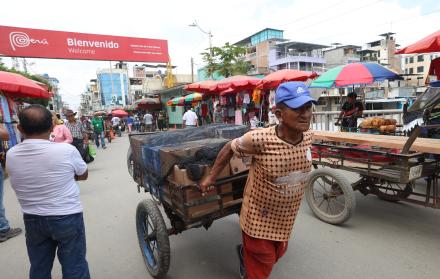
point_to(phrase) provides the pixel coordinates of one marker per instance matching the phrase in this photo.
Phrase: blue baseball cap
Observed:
(293, 94)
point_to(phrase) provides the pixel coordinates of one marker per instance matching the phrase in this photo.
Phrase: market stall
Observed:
(13, 86)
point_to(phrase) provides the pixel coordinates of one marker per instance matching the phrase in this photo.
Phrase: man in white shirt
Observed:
(273, 120)
(148, 121)
(190, 119)
(43, 175)
(115, 120)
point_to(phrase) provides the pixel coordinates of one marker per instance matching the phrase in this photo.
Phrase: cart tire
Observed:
(130, 162)
(332, 203)
(156, 253)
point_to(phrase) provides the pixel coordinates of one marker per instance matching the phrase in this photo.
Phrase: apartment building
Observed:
(382, 51)
(416, 67)
(341, 55)
(269, 51)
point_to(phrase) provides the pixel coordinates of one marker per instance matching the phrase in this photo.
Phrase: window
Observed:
(420, 58)
(420, 69)
(173, 108)
(411, 71)
(406, 60)
(411, 60)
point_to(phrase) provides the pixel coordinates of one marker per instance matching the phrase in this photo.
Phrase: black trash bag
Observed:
(195, 171)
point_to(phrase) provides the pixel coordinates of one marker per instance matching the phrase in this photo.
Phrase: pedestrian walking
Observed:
(148, 122)
(49, 197)
(218, 114)
(190, 119)
(137, 123)
(6, 232)
(273, 120)
(277, 178)
(60, 132)
(98, 129)
(129, 123)
(78, 132)
(161, 121)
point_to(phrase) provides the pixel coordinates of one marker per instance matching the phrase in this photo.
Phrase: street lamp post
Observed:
(195, 24)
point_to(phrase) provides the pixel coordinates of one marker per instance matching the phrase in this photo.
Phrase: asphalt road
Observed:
(382, 240)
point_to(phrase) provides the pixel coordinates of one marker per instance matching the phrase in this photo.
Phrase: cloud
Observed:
(315, 21)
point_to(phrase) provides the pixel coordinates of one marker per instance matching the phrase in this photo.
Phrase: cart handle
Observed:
(220, 181)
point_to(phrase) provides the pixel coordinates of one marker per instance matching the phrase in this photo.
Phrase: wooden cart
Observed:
(388, 167)
(184, 206)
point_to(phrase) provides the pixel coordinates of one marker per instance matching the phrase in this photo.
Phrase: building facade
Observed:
(269, 51)
(416, 67)
(113, 87)
(56, 103)
(383, 52)
(341, 55)
(90, 99)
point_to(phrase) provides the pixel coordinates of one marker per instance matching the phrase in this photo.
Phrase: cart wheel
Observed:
(153, 238)
(390, 191)
(130, 161)
(330, 196)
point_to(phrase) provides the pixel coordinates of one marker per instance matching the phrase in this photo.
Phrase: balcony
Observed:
(299, 57)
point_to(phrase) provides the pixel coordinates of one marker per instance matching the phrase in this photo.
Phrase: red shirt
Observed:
(434, 69)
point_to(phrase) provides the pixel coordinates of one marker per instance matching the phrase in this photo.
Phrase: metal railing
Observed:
(325, 120)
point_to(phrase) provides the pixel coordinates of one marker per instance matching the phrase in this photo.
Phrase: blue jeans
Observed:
(64, 235)
(97, 136)
(4, 224)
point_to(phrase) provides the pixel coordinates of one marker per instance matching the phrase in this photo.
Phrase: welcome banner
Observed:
(25, 42)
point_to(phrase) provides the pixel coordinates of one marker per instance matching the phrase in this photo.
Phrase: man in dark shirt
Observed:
(351, 110)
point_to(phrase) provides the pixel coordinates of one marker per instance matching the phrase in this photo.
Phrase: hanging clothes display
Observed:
(238, 117)
(7, 121)
(256, 96)
(246, 98)
(271, 98)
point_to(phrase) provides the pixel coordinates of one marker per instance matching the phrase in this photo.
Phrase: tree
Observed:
(227, 60)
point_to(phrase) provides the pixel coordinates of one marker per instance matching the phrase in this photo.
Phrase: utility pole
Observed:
(192, 69)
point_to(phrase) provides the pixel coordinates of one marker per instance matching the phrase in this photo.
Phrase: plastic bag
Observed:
(91, 150)
(293, 178)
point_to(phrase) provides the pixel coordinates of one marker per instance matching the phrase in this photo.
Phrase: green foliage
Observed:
(228, 60)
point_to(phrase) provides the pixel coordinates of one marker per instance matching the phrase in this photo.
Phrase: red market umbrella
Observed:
(274, 79)
(16, 85)
(201, 86)
(119, 113)
(236, 83)
(428, 44)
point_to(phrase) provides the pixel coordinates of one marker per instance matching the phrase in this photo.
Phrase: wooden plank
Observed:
(423, 145)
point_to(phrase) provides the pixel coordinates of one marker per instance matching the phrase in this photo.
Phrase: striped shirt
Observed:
(76, 129)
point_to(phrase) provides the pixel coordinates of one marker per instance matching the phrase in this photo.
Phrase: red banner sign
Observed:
(24, 42)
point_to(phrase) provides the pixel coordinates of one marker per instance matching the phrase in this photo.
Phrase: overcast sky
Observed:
(313, 21)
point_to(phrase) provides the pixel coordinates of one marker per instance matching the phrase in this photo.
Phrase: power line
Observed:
(313, 14)
(377, 25)
(339, 15)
